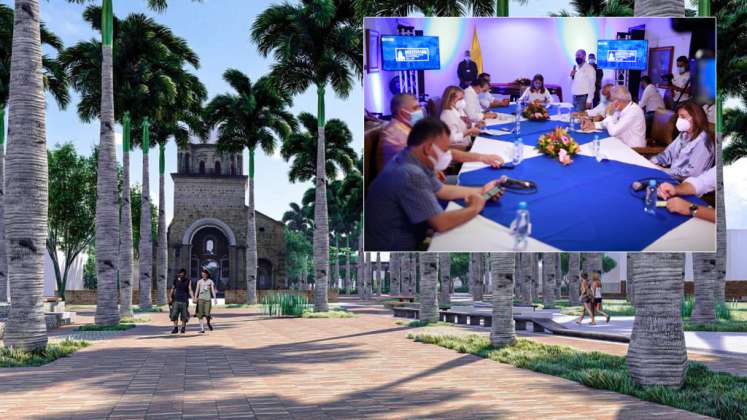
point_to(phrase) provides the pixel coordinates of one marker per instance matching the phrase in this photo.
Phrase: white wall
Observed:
(74, 276)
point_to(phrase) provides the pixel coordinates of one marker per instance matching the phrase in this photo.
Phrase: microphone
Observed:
(636, 186)
(518, 184)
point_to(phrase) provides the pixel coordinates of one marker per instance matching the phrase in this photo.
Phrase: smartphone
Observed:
(507, 165)
(492, 192)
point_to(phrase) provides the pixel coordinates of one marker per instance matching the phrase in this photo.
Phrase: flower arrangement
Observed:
(558, 144)
(535, 111)
(522, 81)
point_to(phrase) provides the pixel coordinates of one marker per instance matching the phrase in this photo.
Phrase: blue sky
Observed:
(219, 32)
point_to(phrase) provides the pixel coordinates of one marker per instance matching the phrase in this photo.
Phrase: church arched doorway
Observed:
(210, 252)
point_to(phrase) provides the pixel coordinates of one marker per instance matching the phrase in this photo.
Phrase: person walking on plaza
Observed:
(179, 301)
(596, 288)
(205, 292)
(587, 299)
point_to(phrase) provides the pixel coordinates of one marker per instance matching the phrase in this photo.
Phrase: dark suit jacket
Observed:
(467, 73)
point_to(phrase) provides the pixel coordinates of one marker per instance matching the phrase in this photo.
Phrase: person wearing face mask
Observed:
(624, 120)
(598, 81)
(680, 86)
(406, 112)
(467, 70)
(453, 114)
(472, 101)
(486, 98)
(584, 82)
(600, 111)
(537, 92)
(651, 100)
(693, 151)
(697, 185)
(402, 203)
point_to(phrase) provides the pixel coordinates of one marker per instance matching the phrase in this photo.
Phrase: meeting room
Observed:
(540, 134)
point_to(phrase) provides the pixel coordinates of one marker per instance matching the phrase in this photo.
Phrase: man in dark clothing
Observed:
(467, 71)
(600, 75)
(179, 301)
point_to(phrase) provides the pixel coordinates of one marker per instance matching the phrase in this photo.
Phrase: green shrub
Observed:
(115, 327)
(156, 308)
(135, 320)
(328, 314)
(715, 394)
(284, 304)
(723, 310)
(15, 358)
(686, 306)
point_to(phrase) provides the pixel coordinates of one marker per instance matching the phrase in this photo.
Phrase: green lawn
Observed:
(135, 320)
(117, 327)
(329, 314)
(154, 308)
(15, 358)
(706, 392)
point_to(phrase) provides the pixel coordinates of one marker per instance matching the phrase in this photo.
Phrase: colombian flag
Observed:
(475, 51)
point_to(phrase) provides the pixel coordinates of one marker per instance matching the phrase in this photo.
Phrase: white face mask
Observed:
(442, 159)
(460, 104)
(682, 124)
(681, 69)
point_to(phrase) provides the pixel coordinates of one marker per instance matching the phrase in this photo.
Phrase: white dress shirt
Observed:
(473, 108)
(680, 80)
(486, 98)
(651, 99)
(584, 83)
(703, 183)
(530, 96)
(600, 109)
(453, 118)
(629, 126)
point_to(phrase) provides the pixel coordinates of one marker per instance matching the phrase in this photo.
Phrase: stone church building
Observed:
(209, 228)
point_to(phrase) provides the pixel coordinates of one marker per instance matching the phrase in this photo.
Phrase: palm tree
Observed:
(704, 270)
(444, 267)
(316, 43)
(574, 267)
(54, 81)
(427, 7)
(296, 219)
(475, 276)
(26, 186)
(394, 258)
(598, 8)
(502, 331)
(125, 228)
(428, 288)
(346, 286)
(528, 264)
(255, 116)
(549, 271)
(657, 354)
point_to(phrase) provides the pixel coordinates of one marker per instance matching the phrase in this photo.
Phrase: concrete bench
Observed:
(403, 312)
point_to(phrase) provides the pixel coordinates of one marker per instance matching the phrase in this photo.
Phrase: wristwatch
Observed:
(693, 209)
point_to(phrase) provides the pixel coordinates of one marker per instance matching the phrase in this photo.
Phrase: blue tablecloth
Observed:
(511, 109)
(530, 132)
(585, 206)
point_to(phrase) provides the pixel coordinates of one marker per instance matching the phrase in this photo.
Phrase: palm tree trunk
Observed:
(3, 249)
(107, 199)
(125, 230)
(335, 278)
(704, 268)
(444, 267)
(518, 277)
(321, 222)
(394, 273)
(657, 354)
(529, 264)
(406, 274)
(428, 286)
(501, 8)
(675, 8)
(379, 274)
(347, 269)
(26, 186)
(475, 270)
(534, 283)
(548, 280)
(502, 331)
(145, 249)
(251, 240)
(412, 287)
(574, 281)
(162, 250)
(720, 282)
(360, 273)
(629, 286)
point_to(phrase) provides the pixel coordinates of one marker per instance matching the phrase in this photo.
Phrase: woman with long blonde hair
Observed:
(452, 113)
(596, 288)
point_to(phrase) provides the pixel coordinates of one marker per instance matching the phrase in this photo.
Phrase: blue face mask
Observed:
(416, 116)
(603, 100)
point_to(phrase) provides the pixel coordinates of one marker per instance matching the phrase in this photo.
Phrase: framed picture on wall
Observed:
(372, 51)
(660, 63)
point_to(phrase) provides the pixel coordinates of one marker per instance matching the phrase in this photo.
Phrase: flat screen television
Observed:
(622, 54)
(400, 53)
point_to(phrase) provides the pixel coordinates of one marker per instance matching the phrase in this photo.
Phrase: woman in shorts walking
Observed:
(205, 292)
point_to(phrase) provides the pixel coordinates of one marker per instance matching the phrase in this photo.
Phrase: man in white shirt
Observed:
(681, 81)
(651, 99)
(584, 82)
(698, 185)
(472, 98)
(625, 119)
(486, 98)
(600, 111)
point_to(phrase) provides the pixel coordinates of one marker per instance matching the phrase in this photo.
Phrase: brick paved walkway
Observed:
(252, 367)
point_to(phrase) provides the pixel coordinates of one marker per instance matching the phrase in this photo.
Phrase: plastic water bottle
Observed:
(518, 151)
(518, 117)
(650, 203)
(520, 227)
(597, 148)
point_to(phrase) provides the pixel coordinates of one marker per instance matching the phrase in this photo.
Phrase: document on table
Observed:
(494, 132)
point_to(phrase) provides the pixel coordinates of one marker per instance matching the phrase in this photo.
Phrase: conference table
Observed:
(588, 205)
